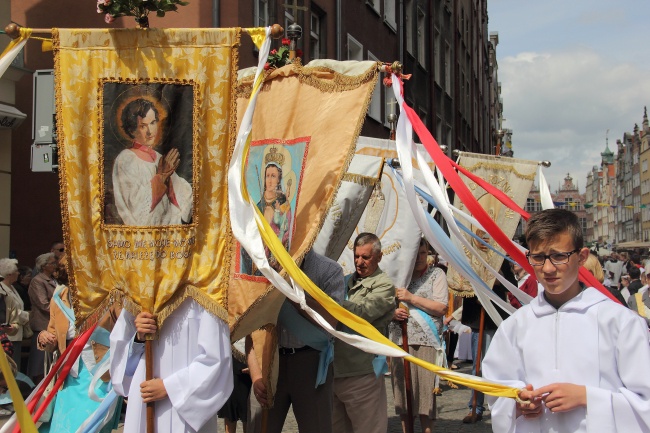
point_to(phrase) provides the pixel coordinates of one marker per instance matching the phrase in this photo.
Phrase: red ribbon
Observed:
(447, 167)
(68, 359)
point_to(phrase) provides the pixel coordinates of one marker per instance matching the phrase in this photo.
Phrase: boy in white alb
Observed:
(580, 358)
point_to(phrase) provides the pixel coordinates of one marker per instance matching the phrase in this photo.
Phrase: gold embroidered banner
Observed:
(305, 126)
(145, 132)
(512, 176)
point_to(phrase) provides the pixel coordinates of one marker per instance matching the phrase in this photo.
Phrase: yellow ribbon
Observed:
(24, 33)
(22, 414)
(257, 34)
(354, 322)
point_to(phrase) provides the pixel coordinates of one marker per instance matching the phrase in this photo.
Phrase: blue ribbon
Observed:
(67, 311)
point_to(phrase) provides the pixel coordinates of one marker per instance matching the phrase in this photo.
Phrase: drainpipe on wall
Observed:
(216, 9)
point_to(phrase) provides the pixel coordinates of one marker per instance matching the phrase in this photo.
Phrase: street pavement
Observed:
(452, 408)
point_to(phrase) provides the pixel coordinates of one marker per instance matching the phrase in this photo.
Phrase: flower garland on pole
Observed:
(137, 8)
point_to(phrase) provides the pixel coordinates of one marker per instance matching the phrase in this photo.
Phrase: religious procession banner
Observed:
(512, 176)
(350, 202)
(145, 132)
(387, 215)
(304, 127)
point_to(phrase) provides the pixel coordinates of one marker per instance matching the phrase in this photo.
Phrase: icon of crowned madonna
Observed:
(271, 176)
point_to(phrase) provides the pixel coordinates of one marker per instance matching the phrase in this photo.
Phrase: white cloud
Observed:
(559, 105)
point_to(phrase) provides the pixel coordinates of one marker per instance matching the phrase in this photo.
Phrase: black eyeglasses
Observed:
(555, 258)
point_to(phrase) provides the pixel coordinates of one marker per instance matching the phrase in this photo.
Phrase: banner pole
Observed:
(478, 357)
(151, 410)
(407, 379)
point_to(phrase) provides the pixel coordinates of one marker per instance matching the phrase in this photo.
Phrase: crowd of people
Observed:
(577, 357)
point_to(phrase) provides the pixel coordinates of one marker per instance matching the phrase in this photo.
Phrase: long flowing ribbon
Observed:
(68, 358)
(447, 166)
(253, 232)
(12, 50)
(22, 413)
(448, 246)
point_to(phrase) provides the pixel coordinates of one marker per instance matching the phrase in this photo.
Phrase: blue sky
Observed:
(570, 70)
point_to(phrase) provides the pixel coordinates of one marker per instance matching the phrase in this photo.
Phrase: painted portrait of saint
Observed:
(148, 154)
(273, 175)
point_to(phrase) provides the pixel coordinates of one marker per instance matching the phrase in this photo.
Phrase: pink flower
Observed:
(274, 51)
(286, 41)
(109, 18)
(267, 66)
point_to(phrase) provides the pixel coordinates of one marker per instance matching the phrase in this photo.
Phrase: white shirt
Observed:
(192, 357)
(590, 341)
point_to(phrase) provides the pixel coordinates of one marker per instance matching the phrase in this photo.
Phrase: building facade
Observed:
(566, 197)
(444, 44)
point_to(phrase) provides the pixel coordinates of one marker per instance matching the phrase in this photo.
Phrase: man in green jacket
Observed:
(359, 401)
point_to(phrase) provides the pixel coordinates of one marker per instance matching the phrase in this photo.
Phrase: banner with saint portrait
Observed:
(304, 129)
(145, 132)
(512, 176)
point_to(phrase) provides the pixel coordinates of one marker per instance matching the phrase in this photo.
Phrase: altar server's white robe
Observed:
(192, 357)
(589, 341)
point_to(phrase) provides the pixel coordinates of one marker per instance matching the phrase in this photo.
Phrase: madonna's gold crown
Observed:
(274, 156)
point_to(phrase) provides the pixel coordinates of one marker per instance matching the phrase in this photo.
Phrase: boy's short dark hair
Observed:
(545, 225)
(635, 273)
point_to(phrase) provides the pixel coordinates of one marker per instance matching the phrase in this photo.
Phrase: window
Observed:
(374, 4)
(408, 25)
(448, 68)
(261, 13)
(355, 49)
(421, 37)
(374, 111)
(436, 56)
(316, 37)
(288, 19)
(389, 14)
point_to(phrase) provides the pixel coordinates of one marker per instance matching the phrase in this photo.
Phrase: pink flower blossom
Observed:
(109, 18)
(267, 66)
(274, 51)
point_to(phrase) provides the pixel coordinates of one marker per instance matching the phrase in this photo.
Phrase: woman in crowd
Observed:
(424, 304)
(72, 406)
(22, 285)
(16, 318)
(41, 289)
(593, 265)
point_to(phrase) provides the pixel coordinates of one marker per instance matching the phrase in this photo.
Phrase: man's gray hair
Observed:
(8, 266)
(368, 238)
(42, 260)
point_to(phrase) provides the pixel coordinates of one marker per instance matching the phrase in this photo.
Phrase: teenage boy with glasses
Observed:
(580, 358)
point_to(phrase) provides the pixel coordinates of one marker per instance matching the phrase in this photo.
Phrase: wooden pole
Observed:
(265, 419)
(407, 378)
(478, 357)
(12, 30)
(151, 410)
